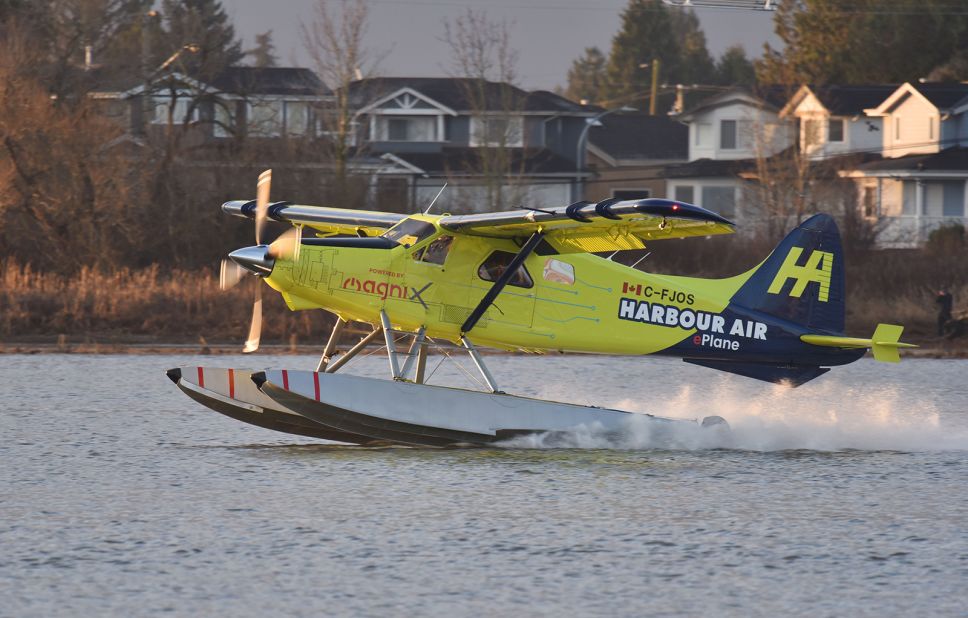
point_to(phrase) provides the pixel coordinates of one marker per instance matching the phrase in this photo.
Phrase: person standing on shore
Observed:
(945, 302)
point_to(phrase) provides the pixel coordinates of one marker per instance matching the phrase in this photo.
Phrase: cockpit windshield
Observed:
(410, 231)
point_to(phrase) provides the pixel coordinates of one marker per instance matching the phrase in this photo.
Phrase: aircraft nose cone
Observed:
(255, 259)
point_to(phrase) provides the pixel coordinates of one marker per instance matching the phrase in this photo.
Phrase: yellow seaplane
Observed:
(525, 280)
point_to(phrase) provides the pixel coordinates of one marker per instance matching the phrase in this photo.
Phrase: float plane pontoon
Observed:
(525, 280)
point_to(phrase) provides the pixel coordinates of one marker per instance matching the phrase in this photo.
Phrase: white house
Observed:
(727, 133)
(832, 119)
(922, 181)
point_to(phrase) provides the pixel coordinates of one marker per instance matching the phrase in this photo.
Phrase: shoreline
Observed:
(940, 350)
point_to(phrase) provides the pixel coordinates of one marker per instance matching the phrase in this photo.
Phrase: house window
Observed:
(409, 129)
(869, 201)
(631, 194)
(496, 131)
(727, 134)
(498, 262)
(720, 200)
(224, 119)
(909, 198)
(297, 118)
(835, 129)
(179, 110)
(811, 132)
(265, 118)
(685, 193)
(897, 128)
(930, 128)
(953, 198)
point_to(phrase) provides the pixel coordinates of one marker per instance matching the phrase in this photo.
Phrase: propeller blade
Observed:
(288, 245)
(262, 204)
(255, 329)
(229, 274)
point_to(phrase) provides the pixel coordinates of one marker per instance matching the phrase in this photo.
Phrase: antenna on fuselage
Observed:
(434, 201)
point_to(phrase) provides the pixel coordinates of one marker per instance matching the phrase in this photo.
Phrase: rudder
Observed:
(802, 280)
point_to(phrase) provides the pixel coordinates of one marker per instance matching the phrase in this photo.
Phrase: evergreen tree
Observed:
(205, 24)
(264, 53)
(827, 41)
(651, 30)
(586, 77)
(734, 68)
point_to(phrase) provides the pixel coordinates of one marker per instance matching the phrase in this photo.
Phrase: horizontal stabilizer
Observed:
(794, 375)
(884, 344)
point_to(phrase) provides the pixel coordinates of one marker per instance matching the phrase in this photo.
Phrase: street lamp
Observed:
(594, 121)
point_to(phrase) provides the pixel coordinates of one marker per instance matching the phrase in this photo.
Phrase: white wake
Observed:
(827, 417)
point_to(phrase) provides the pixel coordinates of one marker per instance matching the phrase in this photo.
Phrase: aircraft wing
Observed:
(584, 227)
(321, 218)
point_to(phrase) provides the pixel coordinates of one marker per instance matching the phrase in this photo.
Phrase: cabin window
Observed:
(410, 232)
(498, 262)
(835, 130)
(436, 252)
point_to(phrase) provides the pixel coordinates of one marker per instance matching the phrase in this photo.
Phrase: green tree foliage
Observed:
(586, 77)
(651, 30)
(863, 41)
(264, 53)
(734, 68)
(201, 23)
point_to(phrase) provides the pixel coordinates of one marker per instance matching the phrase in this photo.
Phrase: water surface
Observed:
(120, 496)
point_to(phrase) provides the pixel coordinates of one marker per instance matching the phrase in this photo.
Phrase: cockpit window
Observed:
(437, 250)
(498, 262)
(410, 231)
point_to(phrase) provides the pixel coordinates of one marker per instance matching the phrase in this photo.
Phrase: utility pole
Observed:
(655, 86)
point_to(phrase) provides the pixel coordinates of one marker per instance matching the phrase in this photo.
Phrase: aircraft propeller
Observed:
(287, 246)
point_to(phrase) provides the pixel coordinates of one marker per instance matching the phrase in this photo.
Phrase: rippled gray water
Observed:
(846, 497)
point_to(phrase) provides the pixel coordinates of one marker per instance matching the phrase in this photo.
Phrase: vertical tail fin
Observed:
(802, 281)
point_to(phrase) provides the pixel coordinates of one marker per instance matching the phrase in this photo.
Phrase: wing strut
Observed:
(502, 281)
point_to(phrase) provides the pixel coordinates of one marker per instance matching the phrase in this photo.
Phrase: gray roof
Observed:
(462, 159)
(456, 93)
(943, 95)
(853, 100)
(269, 80)
(640, 136)
(950, 159)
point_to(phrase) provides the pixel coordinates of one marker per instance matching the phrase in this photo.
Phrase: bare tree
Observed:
(483, 58)
(334, 40)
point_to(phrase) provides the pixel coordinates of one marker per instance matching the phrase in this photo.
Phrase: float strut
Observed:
(391, 347)
(417, 344)
(331, 344)
(345, 358)
(476, 357)
(421, 363)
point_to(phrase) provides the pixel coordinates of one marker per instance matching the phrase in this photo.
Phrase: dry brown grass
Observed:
(141, 305)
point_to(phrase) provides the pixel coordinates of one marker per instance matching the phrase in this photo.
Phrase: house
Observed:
(922, 181)
(832, 119)
(238, 102)
(629, 152)
(496, 146)
(728, 133)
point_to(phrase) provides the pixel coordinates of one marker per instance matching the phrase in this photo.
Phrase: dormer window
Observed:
(182, 108)
(406, 129)
(835, 130)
